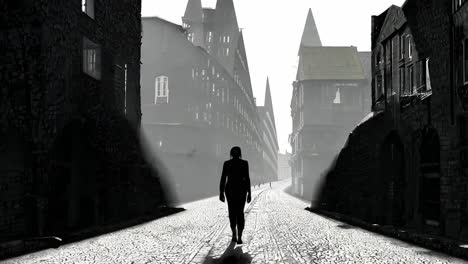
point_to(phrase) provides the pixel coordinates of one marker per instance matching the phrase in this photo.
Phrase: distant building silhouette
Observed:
(284, 168)
(69, 115)
(269, 137)
(197, 97)
(406, 163)
(327, 102)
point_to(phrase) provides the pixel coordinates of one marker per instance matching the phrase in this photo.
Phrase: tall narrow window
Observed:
(402, 46)
(87, 6)
(91, 58)
(465, 61)
(210, 36)
(410, 48)
(161, 90)
(402, 82)
(412, 87)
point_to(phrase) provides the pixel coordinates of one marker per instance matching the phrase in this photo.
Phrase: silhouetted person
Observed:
(237, 189)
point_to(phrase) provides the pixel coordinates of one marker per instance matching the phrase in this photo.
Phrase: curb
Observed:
(16, 248)
(440, 244)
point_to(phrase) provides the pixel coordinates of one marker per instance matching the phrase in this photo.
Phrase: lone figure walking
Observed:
(237, 190)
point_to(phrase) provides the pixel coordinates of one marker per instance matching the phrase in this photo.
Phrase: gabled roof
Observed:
(310, 36)
(194, 11)
(330, 63)
(156, 18)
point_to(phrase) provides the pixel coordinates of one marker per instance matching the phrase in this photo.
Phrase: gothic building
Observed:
(69, 114)
(406, 164)
(269, 137)
(197, 97)
(327, 101)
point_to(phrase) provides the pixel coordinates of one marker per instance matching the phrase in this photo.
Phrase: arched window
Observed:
(161, 90)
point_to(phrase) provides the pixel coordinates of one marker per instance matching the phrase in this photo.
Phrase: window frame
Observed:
(411, 79)
(91, 51)
(161, 88)
(465, 61)
(402, 46)
(410, 48)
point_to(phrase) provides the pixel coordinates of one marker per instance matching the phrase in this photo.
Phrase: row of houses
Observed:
(70, 154)
(406, 164)
(330, 96)
(198, 102)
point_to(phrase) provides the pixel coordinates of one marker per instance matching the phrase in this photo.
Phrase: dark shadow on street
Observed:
(232, 255)
(345, 226)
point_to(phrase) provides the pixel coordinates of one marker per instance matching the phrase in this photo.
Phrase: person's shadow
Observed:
(232, 255)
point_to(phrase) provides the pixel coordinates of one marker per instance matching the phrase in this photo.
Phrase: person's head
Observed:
(236, 153)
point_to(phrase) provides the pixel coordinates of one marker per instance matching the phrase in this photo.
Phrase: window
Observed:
(91, 58)
(228, 39)
(465, 60)
(412, 87)
(161, 90)
(402, 82)
(210, 36)
(120, 85)
(379, 87)
(87, 6)
(402, 46)
(422, 75)
(190, 37)
(410, 48)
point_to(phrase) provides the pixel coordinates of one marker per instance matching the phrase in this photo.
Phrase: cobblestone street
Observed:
(278, 230)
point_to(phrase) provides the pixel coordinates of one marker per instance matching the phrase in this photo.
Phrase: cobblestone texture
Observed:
(278, 230)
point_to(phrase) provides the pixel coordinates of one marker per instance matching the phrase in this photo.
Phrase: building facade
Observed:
(269, 137)
(327, 101)
(197, 97)
(412, 147)
(284, 169)
(70, 111)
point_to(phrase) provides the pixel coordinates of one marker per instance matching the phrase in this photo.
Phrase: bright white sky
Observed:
(272, 33)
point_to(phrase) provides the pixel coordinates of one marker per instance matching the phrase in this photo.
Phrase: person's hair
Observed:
(236, 152)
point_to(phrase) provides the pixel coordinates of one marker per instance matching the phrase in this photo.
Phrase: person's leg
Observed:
(240, 218)
(232, 217)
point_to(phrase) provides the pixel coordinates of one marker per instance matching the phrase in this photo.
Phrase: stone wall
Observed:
(77, 155)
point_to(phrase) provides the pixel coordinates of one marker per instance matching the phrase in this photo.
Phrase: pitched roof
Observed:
(330, 63)
(194, 11)
(310, 36)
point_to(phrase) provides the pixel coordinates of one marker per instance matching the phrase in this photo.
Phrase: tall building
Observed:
(70, 110)
(197, 97)
(406, 164)
(269, 137)
(327, 102)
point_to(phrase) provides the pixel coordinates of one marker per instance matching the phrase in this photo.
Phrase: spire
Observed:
(310, 36)
(268, 102)
(194, 11)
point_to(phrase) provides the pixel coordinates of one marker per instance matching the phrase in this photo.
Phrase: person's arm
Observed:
(249, 191)
(222, 184)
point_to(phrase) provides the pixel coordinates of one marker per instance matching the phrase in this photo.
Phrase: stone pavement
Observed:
(278, 230)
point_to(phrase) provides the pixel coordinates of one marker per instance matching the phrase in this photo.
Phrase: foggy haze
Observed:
(272, 33)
